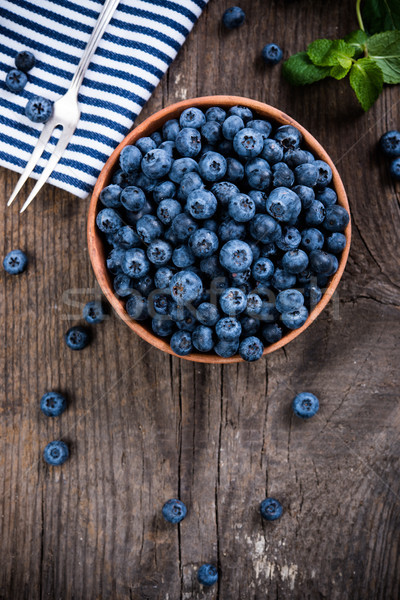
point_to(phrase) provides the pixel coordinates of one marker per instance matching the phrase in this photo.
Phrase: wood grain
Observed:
(144, 426)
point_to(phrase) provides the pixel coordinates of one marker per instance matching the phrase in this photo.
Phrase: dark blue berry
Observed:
(323, 263)
(188, 142)
(241, 111)
(272, 54)
(135, 263)
(202, 338)
(207, 574)
(93, 312)
(156, 163)
(136, 306)
(263, 269)
(294, 158)
(248, 143)
(77, 338)
(159, 252)
(207, 314)
(241, 208)
(231, 126)
(312, 294)
(16, 80)
(271, 509)
(167, 210)
(324, 174)
(211, 132)
(263, 127)
(251, 348)
(390, 143)
(123, 284)
(289, 300)
(183, 257)
(144, 285)
(203, 243)
(283, 204)
(149, 228)
(108, 220)
(258, 174)
(212, 166)
(38, 109)
(315, 214)
(186, 287)
(15, 262)
(223, 191)
(145, 144)
(156, 137)
(192, 117)
(272, 151)
(336, 218)
(283, 280)
(282, 176)
(233, 17)
(295, 261)
(327, 197)
(190, 182)
(290, 240)
(170, 129)
(233, 301)
(162, 326)
(133, 198)
(296, 318)
(250, 325)
(162, 277)
(56, 453)
(25, 61)
(306, 174)
(130, 159)
(306, 195)
(163, 191)
(288, 136)
(236, 256)
(228, 329)
(183, 226)
(305, 405)
(265, 229)
(272, 333)
(336, 243)
(174, 511)
(53, 404)
(201, 204)
(181, 343)
(234, 170)
(181, 167)
(216, 113)
(226, 349)
(110, 196)
(312, 239)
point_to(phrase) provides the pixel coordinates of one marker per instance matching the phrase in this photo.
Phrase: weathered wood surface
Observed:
(144, 426)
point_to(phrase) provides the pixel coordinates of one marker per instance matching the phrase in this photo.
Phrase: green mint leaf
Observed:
(384, 49)
(326, 53)
(339, 71)
(366, 79)
(299, 70)
(380, 15)
(357, 39)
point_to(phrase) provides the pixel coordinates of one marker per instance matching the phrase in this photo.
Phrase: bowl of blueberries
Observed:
(219, 229)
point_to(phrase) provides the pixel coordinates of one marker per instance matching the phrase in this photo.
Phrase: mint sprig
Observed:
(369, 61)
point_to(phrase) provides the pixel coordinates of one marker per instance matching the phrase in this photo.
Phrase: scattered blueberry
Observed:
(15, 262)
(25, 61)
(38, 109)
(207, 574)
(271, 509)
(174, 511)
(395, 169)
(16, 80)
(53, 404)
(56, 453)
(305, 405)
(93, 312)
(77, 338)
(233, 17)
(272, 54)
(390, 144)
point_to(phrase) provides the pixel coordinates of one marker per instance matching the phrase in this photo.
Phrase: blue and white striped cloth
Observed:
(138, 45)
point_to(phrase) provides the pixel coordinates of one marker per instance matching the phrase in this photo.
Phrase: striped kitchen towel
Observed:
(137, 47)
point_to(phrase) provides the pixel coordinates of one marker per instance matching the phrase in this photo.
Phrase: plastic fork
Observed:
(66, 112)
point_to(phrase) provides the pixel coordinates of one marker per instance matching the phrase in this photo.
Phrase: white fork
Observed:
(66, 112)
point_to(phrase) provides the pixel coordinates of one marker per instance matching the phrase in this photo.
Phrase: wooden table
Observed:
(144, 427)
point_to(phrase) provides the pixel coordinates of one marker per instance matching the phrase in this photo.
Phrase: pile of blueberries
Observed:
(390, 146)
(222, 231)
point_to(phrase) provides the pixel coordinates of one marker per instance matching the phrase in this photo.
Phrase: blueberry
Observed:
(156, 163)
(15, 262)
(289, 300)
(16, 80)
(268, 312)
(294, 158)
(133, 198)
(122, 285)
(240, 279)
(136, 307)
(168, 146)
(183, 257)
(288, 136)
(272, 54)
(248, 143)
(265, 229)
(336, 243)
(296, 318)
(188, 323)
(323, 263)
(146, 183)
(162, 326)
(159, 252)
(39, 109)
(110, 196)
(225, 148)
(202, 338)
(231, 230)
(233, 17)
(306, 195)
(241, 111)
(159, 304)
(324, 174)
(251, 348)
(181, 343)
(283, 204)
(207, 314)
(231, 126)
(254, 304)
(259, 198)
(144, 285)
(312, 239)
(295, 261)
(162, 277)
(188, 142)
(211, 267)
(272, 333)
(123, 179)
(306, 174)
(263, 127)
(190, 182)
(212, 166)
(234, 170)
(241, 208)
(272, 151)
(181, 167)
(236, 256)
(250, 325)
(290, 240)
(135, 263)
(327, 196)
(215, 113)
(282, 176)
(315, 214)
(167, 210)
(108, 220)
(93, 312)
(336, 218)
(183, 226)
(201, 204)
(130, 159)
(203, 243)
(149, 228)
(174, 511)
(223, 191)
(305, 405)
(53, 404)
(25, 61)
(156, 137)
(268, 249)
(185, 287)
(263, 269)
(258, 174)
(390, 143)
(77, 338)
(228, 329)
(283, 280)
(192, 117)
(227, 349)
(271, 509)
(211, 132)
(170, 130)
(233, 301)
(56, 453)
(145, 144)
(312, 294)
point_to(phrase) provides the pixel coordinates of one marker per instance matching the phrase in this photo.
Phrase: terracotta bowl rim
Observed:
(151, 124)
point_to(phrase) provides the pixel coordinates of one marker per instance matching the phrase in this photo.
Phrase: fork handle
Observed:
(97, 33)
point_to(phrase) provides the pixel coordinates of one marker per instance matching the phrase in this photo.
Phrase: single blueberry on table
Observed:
(185, 287)
(183, 257)
(272, 333)
(236, 256)
(216, 113)
(271, 509)
(38, 109)
(288, 136)
(174, 511)
(228, 329)
(136, 306)
(156, 163)
(130, 159)
(295, 318)
(312, 239)
(289, 300)
(133, 198)
(159, 252)
(272, 54)
(181, 342)
(202, 338)
(248, 143)
(390, 144)
(77, 338)
(233, 17)
(226, 349)
(207, 574)
(16, 80)
(212, 166)
(251, 348)
(283, 204)
(25, 61)
(188, 142)
(201, 204)
(241, 208)
(15, 262)
(282, 176)
(167, 210)
(181, 167)
(93, 312)
(258, 174)
(231, 126)
(272, 151)
(108, 220)
(305, 405)
(56, 453)
(110, 196)
(53, 404)
(233, 301)
(336, 218)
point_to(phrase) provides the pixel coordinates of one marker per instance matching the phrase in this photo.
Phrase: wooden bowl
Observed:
(97, 250)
